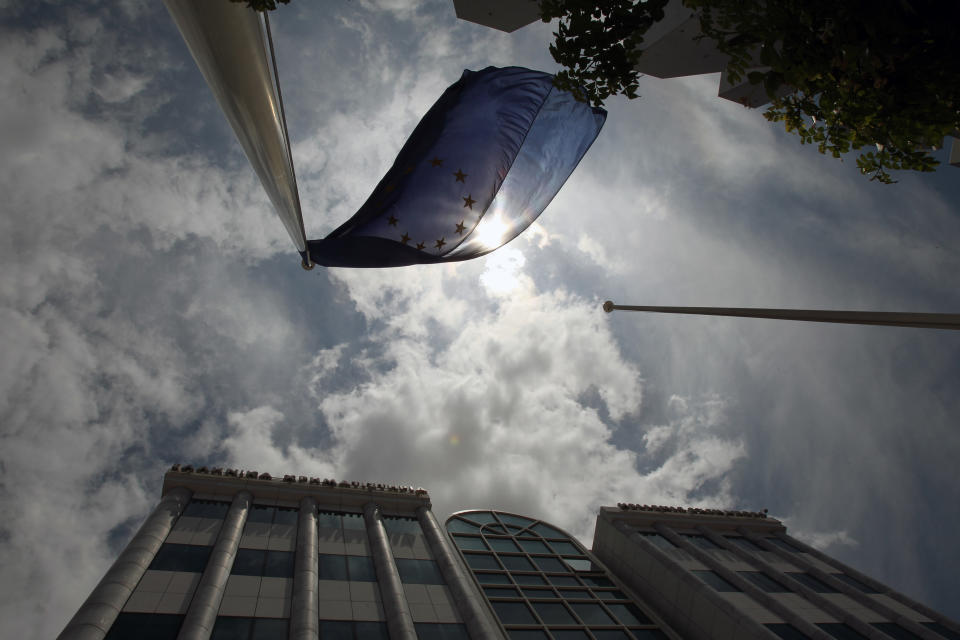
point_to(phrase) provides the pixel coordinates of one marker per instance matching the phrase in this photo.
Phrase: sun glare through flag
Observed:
(482, 164)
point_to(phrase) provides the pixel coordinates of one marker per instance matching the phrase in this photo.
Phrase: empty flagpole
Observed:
(879, 318)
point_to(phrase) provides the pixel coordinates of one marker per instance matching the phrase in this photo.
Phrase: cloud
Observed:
(151, 309)
(823, 540)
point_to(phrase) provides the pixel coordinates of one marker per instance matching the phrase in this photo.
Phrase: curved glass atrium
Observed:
(542, 584)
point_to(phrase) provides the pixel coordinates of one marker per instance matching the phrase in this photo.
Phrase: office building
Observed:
(241, 555)
(723, 575)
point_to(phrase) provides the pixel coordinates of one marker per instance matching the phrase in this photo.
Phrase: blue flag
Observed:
(483, 163)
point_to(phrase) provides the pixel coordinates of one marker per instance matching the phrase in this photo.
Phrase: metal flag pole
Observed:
(879, 318)
(233, 47)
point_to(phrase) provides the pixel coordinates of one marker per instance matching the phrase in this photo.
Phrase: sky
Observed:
(154, 310)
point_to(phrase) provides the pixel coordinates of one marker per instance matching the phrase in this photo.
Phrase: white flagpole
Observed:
(232, 46)
(881, 318)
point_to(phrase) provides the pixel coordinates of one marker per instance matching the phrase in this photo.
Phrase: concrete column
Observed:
(98, 612)
(202, 614)
(399, 619)
(828, 605)
(304, 609)
(474, 612)
(761, 596)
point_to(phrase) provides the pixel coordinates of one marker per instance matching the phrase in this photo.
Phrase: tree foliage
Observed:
(597, 43)
(261, 5)
(881, 75)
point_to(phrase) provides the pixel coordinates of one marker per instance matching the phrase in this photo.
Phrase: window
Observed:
(500, 592)
(534, 546)
(856, 584)
(519, 521)
(715, 581)
(745, 544)
(353, 521)
(513, 613)
(207, 509)
(569, 634)
(481, 561)
(550, 564)
(462, 526)
(418, 571)
(553, 613)
(566, 548)
(526, 578)
(286, 515)
(591, 613)
(230, 628)
(332, 567)
(279, 564)
(763, 581)
(895, 631)
(700, 541)
(534, 593)
(260, 562)
(596, 581)
(785, 631)
(783, 544)
(516, 563)
(145, 626)
(470, 543)
(572, 594)
(629, 614)
(361, 569)
(527, 634)
(648, 634)
(493, 578)
(609, 634)
(611, 595)
(504, 544)
(397, 524)
(329, 520)
(260, 513)
(442, 631)
(657, 540)
(181, 557)
(840, 630)
(547, 531)
(810, 582)
(581, 564)
(563, 581)
(344, 630)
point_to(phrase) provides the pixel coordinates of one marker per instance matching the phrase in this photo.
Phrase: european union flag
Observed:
(483, 163)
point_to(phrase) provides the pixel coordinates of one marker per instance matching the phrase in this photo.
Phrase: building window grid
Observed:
(571, 587)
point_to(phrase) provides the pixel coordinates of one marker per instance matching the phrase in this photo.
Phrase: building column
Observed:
(304, 609)
(399, 619)
(827, 605)
(755, 592)
(474, 613)
(202, 613)
(98, 612)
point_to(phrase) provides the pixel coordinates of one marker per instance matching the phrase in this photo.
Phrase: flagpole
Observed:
(878, 318)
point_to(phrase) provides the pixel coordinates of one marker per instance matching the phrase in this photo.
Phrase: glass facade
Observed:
(145, 626)
(181, 557)
(541, 583)
(237, 628)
